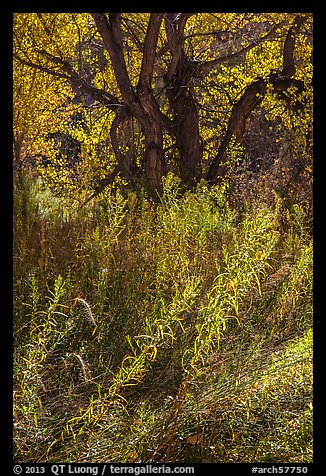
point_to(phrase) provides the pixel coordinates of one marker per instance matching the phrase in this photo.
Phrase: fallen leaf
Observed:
(196, 439)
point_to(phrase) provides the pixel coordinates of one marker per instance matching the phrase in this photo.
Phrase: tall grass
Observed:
(170, 331)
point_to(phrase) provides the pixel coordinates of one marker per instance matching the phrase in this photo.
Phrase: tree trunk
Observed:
(188, 141)
(150, 116)
(152, 128)
(18, 159)
(141, 104)
(178, 83)
(185, 127)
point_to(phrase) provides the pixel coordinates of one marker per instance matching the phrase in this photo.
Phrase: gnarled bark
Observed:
(141, 103)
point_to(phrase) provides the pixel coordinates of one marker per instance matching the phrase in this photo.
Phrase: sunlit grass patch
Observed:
(168, 331)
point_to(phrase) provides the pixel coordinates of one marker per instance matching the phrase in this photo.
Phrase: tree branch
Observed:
(206, 66)
(132, 34)
(250, 99)
(112, 38)
(119, 119)
(102, 185)
(121, 166)
(146, 73)
(174, 35)
(68, 73)
(289, 44)
(29, 63)
(253, 95)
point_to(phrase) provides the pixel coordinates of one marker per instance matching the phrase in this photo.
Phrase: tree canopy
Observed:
(104, 98)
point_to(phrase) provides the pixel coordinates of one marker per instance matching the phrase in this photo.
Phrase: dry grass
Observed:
(197, 342)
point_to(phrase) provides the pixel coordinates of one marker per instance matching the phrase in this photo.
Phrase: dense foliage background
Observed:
(163, 237)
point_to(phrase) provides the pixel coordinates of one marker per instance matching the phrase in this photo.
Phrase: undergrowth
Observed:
(171, 331)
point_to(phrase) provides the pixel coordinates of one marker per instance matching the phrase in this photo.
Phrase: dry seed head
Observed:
(83, 367)
(88, 309)
(280, 273)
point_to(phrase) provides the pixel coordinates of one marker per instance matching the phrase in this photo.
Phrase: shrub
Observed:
(170, 331)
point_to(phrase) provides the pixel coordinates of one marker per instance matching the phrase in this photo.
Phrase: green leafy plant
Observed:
(175, 331)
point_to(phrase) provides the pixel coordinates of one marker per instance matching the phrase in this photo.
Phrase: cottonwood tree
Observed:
(176, 89)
